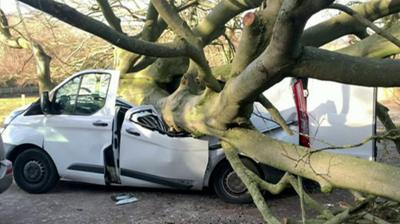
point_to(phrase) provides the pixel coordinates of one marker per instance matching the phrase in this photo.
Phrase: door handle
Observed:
(132, 132)
(100, 124)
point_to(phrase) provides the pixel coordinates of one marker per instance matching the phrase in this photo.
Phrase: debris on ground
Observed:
(122, 199)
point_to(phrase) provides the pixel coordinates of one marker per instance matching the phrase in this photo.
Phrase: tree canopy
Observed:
(175, 77)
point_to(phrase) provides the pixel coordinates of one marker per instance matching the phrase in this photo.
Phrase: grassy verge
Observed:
(7, 105)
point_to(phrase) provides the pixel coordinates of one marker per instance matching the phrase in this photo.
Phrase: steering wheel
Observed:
(85, 89)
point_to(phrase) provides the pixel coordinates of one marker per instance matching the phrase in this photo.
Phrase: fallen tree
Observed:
(175, 77)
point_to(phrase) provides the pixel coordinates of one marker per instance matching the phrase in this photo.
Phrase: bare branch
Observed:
(382, 114)
(83, 22)
(213, 25)
(344, 24)
(275, 114)
(326, 65)
(42, 59)
(109, 15)
(365, 22)
(374, 46)
(171, 17)
(180, 27)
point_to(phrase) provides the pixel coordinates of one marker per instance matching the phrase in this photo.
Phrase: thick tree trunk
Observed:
(329, 169)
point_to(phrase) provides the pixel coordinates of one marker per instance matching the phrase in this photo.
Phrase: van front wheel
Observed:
(228, 186)
(35, 172)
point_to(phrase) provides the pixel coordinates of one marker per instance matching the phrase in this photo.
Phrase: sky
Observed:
(9, 6)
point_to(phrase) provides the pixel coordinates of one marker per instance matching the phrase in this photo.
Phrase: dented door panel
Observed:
(151, 158)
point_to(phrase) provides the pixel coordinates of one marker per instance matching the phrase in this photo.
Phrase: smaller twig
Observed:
(301, 196)
(387, 135)
(283, 183)
(275, 114)
(13, 25)
(187, 5)
(347, 213)
(357, 195)
(373, 218)
(25, 63)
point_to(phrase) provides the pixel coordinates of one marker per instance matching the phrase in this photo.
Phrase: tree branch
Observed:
(180, 27)
(278, 57)
(109, 15)
(171, 17)
(250, 41)
(284, 183)
(42, 59)
(344, 24)
(240, 169)
(325, 65)
(275, 114)
(365, 22)
(374, 46)
(73, 17)
(383, 115)
(330, 170)
(214, 23)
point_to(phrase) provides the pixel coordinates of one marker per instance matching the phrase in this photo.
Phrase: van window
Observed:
(65, 97)
(92, 93)
(83, 95)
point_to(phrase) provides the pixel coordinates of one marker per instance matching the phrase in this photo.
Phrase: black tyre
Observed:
(228, 186)
(35, 172)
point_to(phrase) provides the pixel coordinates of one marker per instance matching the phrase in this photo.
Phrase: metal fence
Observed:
(17, 91)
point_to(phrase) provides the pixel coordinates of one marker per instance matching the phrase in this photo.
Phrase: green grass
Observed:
(7, 105)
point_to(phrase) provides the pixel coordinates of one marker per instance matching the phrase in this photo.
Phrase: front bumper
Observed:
(7, 149)
(6, 175)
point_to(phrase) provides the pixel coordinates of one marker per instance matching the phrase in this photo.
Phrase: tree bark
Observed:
(383, 115)
(327, 65)
(330, 170)
(344, 24)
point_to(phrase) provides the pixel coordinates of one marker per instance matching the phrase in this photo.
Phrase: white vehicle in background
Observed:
(82, 132)
(5, 170)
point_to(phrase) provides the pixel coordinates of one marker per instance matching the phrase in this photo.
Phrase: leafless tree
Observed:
(274, 44)
(42, 59)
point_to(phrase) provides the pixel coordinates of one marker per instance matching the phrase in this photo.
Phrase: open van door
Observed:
(112, 170)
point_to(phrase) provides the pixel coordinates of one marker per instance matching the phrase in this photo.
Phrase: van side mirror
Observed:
(45, 103)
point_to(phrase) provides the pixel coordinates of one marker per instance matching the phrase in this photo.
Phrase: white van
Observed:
(82, 132)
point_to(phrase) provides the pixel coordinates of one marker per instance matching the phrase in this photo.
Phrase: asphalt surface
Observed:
(73, 203)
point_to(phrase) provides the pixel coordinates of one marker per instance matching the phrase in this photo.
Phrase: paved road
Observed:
(73, 203)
